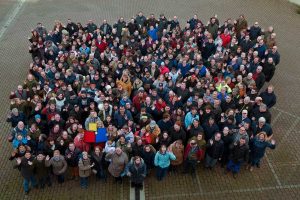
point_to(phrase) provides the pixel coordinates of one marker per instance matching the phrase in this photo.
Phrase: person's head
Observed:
(242, 141)
(242, 130)
(245, 113)
(56, 153)
(147, 148)
(193, 143)
(15, 111)
(40, 156)
(270, 89)
(262, 107)
(84, 155)
(177, 126)
(137, 160)
(165, 135)
(193, 110)
(20, 125)
(199, 136)
(225, 131)
(218, 136)
(163, 149)
(27, 155)
(261, 121)
(71, 146)
(211, 121)
(262, 136)
(118, 151)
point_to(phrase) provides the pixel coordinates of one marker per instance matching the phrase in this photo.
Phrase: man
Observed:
(71, 27)
(259, 78)
(72, 155)
(262, 126)
(15, 117)
(59, 165)
(274, 54)
(239, 154)
(27, 170)
(122, 116)
(269, 69)
(19, 129)
(177, 133)
(241, 133)
(165, 124)
(105, 28)
(140, 20)
(210, 128)
(268, 96)
(214, 151)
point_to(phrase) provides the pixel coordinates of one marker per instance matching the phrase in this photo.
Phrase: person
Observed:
(162, 162)
(136, 170)
(59, 165)
(27, 170)
(177, 148)
(258, 147)
(119, 160)
(268, 97)
(72, 155)
(85, 169)
(214, 151)
(239, 153)
(42, 173)
(193, 154)
(97, 157)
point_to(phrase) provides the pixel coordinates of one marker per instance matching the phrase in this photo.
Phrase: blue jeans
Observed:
(27, 182)
(161, 172)
(234, 167)
(209, 161)
(84, 182)
(61, 178)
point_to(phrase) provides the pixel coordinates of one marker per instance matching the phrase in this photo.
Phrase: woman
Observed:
(85, 171)
(162, 162)
(97, 159)
(125, 83)
(119, 160)
(136, 170)
(258, 147)
(178, 150)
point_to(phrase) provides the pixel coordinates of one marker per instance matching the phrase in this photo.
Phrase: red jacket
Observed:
(137, 102)
(225, 39)
(164, 70)
(200, 153)
(101, 46)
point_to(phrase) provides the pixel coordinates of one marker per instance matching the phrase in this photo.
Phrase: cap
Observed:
(160, 85)
(152, 124)
(162, 64)
(37, 116)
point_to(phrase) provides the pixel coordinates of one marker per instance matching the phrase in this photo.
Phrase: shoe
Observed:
(251, 169)
(258, 165)
(235, 175)
(27, 192)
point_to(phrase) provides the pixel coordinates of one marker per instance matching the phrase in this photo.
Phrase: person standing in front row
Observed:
(214, 151)
(162, 162)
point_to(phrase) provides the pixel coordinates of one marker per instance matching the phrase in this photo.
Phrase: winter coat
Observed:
(27, 170)
(189, 118)
(258, 148)
(178, 152)
(193, 153)
(84, 166)
(74, 157)
(117, 164)
(148, 158)
(177, 135)
(40, 168)
(268, 98)
(239, 153)
(163, 160)
(137, 173)
(216, 149)
(209, 131)
(59, 167)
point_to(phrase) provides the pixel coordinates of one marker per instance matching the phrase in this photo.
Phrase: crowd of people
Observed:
(170, 96)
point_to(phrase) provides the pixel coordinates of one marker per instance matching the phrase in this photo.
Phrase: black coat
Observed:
(239, 153)
(177, 135)
(216, 149)
(269, 71)
(27, 170)
(268, 98)
(260, 80)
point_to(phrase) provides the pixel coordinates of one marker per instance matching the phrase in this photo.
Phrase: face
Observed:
(218, 137)
(72, 147)
(118, 151)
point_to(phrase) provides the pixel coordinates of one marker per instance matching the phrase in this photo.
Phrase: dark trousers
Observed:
(190, 164)
(61, 178)
(233, 167)
(44, 180)
(161, 172)
(84, 182)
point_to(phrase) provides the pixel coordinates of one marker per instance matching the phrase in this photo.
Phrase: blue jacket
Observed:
(163, 160)
(258, 148)
(153, 34)
(189, 118)
(184, 70)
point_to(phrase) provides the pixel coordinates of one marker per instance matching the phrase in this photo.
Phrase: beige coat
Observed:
(84, 167)
(117, 164)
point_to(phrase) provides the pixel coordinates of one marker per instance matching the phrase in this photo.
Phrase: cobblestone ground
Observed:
(279, 175)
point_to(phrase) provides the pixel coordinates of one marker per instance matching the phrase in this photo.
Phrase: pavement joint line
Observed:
(11, 16)
(277, 117)
(198, 183)
(286, 112)
(273, 171)
(227, 191)
(290, 130)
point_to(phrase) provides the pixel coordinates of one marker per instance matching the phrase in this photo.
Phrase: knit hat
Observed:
(152, 124)
(37, 116)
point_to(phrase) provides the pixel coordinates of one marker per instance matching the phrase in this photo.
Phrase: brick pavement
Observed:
(278, 177)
